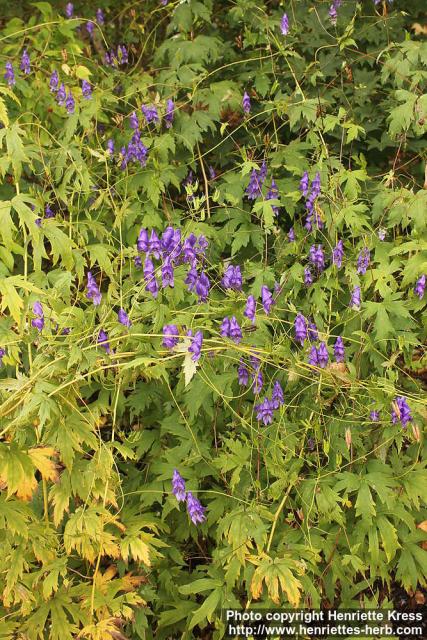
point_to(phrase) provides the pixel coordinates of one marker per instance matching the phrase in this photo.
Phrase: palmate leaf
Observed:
(277, 574)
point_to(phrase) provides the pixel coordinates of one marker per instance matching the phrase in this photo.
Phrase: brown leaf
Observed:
(422, 526)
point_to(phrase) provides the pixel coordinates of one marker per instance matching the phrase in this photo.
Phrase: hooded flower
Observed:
(54, 81)
(256, 180)
(338, 254)
(86, 90)
(250, 308)
(103, 341)
(291, 235)
(300, 326)
(243, 374)
(178, 486)
(284, 25)
(69, 103)
(355, 300)
(93, 292)
(265, 411)
(317, 257)
(339, 351)
(25, 62)
(170, 336)
(363, 261)
(150, 277)
(69, 9)
(38, 321)
(420, 286)
(170, 113)
(123, 318)
(277, 396)
(401, 411)
(235, 330)
(322, 355)
(246, 103)
(266, 299)
(196, 346)
(150, 114)
(232, 278)
(9, 75)
(195, 510)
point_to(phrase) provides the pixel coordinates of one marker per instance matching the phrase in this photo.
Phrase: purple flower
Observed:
(212, 173)
(277, 396)
(9, 75)
(69, 9)
(273, 194)
(250, 308)
(167, 274)
(317, 257)
(235, 331)
(133, 120)
(54, 81)
(110, 146)
(333, 11)
(2, 354)
(154, 244)
(225, 328)
(25, 62)
(170, 336)
(103, 341)
(304, 184)
(339, 351)
(284, 25)
(258, 382)
(150, 277)
(420, 286)
(291, 235)
(123, 318)
(122, 54)
(374, 416)
(256, 180)
(355, 300)
(61, 95)
(142, 243)
(313, 358)
(90, 26)
(308, 278)
(170, 112)
(48, 213)
(100, 16)
(242, 374)
(265, 411)
(338, 254)
(202, 287)
(232, 278)
(246, 103)
(191, 278)
(382, 234)
(300, 326)
(266, 299)
(195, 509)
(178, 486)
(196, 347)
(310, 202)
(93, 292)
(401, 411)
(69, 102)
(363, 261)
(322, 355)
(86, 90)
(150, 114)
(137, 262)
(38, 321)
(312, 332)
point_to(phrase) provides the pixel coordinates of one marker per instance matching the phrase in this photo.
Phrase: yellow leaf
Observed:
(82, 72)
(3, 113)
(40, 457)
(277, 573)
(422, 526)
(26, 488)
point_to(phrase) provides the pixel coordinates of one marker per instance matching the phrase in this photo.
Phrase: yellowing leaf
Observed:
(4, 118)
(82, 72)
(41, 460)
(277, 573)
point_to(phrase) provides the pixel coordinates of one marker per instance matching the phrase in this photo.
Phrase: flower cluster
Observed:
(93, 292)
(230, 329)
(319, 356)
(38, 321)
(265, 409)
(194, 508)
(333, 11)
(311, 194)
(256, 180)
(117, 58)
(62, 97)
(401, 412)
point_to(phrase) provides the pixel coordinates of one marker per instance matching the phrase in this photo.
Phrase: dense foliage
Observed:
(213, 256)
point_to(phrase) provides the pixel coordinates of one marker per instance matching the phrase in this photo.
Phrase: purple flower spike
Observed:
(322, 355)
(338, 254)
(246, 103)
(258, 382)
(420, 286)
(90, 26)
(170, 336)
(317, 257)
(304, 184)
(235, 330)
(69, 103)
(178, 486)
(249, 311)
(308, 278)
(103, 341)
(195, 510)
(110, 146)
(333, 11)
(312, 332)
(363, 261)
(25, 63)
(225, 328)
(300, 326)
(133, 120)
(54, 81)
(167, 274)
(123, 318)
(265, 411)
(256, 180)
(339, 351)
(9, 75)
(86, 90)
(150, 278)
(284, 25)
(273, 194)
(243, 374)
(196, 347)
(374, 416)
(170, 113)
(38, 321)
(61, 95)
(291, 235)
(266, 299)
(401, 411)
(69, 9)
(93, 292)
(100, 16)
(277, 396)
(355, 300)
